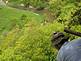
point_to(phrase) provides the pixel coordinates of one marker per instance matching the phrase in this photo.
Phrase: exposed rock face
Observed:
(2, 3)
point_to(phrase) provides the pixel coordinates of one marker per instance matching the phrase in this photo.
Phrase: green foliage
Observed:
(23, 36)
(76, 28)
(29, 43)
(66, 13)
(55, 6)
(70, 15)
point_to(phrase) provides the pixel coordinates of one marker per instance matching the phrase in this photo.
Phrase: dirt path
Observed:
(49, 16)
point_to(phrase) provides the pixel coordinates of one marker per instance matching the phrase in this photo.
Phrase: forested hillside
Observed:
(26, 27)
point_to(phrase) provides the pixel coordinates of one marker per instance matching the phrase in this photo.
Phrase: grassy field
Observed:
(10, 15)
(23, 38)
